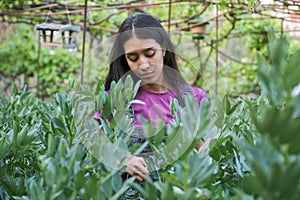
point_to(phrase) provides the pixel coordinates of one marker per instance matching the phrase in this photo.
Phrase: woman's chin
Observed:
(149, 81)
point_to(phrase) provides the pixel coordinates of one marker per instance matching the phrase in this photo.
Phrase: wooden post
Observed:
(38, 65)
(217, 50)
(83, 44)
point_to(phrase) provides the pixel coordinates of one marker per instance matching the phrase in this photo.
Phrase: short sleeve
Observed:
(199, 95)
(97, 115)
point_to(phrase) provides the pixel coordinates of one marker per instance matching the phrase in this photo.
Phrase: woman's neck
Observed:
(157, 88)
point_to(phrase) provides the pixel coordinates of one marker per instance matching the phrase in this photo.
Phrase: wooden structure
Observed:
(198, 27)
(58, 35)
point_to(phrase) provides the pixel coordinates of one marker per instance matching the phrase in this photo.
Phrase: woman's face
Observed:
(145, 59)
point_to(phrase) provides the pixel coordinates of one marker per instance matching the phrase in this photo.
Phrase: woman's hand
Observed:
(136, 166)
(199, 145)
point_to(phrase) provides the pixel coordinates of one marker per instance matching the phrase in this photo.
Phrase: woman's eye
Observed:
(150, 54)
(132, 58)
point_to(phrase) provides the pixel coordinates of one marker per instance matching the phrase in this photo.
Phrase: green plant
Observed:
(56, 150)
(276, 166)
(19, 55)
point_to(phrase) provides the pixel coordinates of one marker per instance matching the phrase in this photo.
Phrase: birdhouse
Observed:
(197, 27)
(58, 35)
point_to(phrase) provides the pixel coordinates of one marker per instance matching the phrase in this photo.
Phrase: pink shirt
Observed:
(157, 105)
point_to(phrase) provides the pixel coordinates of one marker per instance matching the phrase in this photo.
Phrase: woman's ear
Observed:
(164, 48)
(163, 51)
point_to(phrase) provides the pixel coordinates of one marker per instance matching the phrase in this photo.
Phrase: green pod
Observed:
(51, 145)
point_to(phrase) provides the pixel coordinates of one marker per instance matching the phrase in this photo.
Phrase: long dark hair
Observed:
(143, 26)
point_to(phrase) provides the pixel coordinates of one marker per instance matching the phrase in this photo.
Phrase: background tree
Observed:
(239, 22)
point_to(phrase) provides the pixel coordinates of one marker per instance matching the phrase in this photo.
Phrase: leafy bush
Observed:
(19, 55)
(54, 150)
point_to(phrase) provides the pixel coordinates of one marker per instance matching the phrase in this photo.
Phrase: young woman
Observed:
(143, 49)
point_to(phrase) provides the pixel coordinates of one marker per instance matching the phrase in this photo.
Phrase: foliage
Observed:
(19, 55)
(40, 158)
(53, 150)
(10, 4)
(276, 117)
(245, 75)
(239, 21)
(239, 63)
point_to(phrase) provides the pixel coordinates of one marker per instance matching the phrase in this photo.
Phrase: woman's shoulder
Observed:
(199, 93)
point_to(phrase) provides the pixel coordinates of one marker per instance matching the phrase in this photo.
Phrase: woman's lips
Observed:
(147, 75)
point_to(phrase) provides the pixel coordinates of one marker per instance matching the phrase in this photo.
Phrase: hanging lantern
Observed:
(58, 35)
(198, 30)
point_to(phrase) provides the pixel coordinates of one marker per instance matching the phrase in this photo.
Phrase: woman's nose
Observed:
(143, 63)
(144, 66)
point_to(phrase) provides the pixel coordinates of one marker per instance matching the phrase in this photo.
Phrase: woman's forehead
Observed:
(135, 44)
